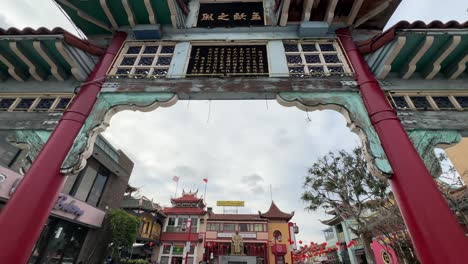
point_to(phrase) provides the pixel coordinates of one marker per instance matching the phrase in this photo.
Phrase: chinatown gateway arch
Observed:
(404, 91)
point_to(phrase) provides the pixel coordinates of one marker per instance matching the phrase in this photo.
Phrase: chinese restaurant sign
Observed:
(228, 60)
(240, 14)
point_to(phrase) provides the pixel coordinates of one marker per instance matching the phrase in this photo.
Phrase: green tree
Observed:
(124, 229)
(341, 182)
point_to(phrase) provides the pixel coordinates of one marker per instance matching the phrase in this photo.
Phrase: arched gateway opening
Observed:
(301, 54)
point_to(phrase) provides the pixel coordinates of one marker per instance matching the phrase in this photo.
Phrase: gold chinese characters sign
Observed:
(230, 203)
(228, 60)
(240, 14)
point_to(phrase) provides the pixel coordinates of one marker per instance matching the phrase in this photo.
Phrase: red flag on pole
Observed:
(205, 180)
(175, 178)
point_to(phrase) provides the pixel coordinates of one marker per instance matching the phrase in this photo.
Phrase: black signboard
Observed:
(228, 60)
(240, 14)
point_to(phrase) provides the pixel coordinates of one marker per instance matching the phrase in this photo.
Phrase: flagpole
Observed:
(177, 185)
(204, 194)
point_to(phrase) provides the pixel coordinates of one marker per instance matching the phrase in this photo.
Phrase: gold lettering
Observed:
(256, 16)
(207, 16)
(240, 16)
(223, 16)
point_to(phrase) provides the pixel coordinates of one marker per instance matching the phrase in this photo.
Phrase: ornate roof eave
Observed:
(332, 221)
(376, 42)
(415, 50)
(45, 54)
(274, 213)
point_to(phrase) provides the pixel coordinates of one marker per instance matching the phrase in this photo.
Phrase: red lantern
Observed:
(338, 243)
(311, 242)
(325, 244)
(300, 242)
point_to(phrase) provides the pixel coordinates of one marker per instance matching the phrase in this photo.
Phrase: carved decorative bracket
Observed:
(350, 105)
(107, 105)
(426, 140)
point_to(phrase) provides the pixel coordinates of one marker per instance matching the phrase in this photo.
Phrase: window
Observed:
(277, 235)
(243, 227)
(143, 60)
(77, 182)
(420, 102)
(148, 224)
(279, 259)
(95, 194)
(315, 58)
(182, 224)
(229, 227)
(165, 260)
(34, 103)
(171, 221)
(171, 225)
(167, 249)
(258, 227)
(213, 227)
(178, 249)
(399, 102)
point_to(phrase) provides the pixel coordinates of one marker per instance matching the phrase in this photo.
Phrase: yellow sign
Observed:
(230, 203)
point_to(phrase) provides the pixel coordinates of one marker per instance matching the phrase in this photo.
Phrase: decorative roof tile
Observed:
(376, 42)
(274, 213)
(69, 38)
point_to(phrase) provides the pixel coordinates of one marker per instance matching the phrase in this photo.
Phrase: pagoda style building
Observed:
(280, 234)
(177, 233)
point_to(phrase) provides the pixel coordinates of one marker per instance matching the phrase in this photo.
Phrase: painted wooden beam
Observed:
(151, 15)
(354, 11)
(34, 69)
(372, 13)
(12, 70)
(306, 10)
(80, 75)
(330, 13)
(108, 13)
(285, 13)
(410, 68)
(173, 11)
(458, 68)
(436, 120)
(128, 10)
(57, 71)
(432, 69)
(85, 16)
(399, 43)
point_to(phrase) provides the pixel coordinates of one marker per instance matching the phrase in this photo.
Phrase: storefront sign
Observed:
(69, 206)
(243, 235)
(238, 14)
(66, 207)
(228, 60)
(230, 203)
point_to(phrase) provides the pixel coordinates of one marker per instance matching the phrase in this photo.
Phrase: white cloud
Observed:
(242, 148)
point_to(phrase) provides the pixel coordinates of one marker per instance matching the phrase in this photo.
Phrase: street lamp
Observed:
(188, 243)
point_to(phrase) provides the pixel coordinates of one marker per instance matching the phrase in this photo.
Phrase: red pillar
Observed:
(436, 234)
(23, 217)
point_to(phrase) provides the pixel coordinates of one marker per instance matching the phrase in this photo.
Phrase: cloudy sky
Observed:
(242, 147)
